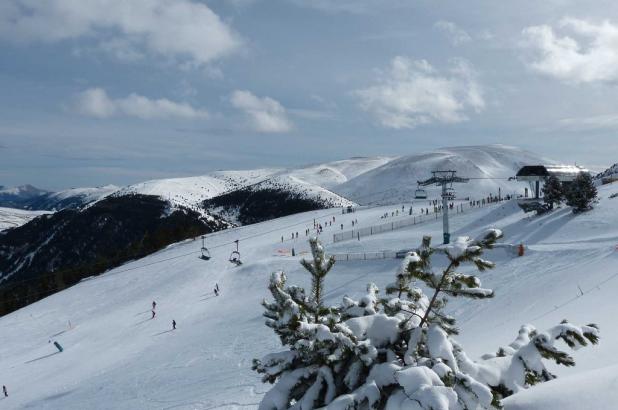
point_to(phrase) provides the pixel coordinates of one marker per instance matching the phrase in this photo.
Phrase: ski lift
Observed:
(420, 194)
(450, 193)
(205, 252)
(235, 255)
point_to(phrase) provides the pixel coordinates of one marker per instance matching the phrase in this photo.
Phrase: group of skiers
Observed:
(318, 227)
(154, 313)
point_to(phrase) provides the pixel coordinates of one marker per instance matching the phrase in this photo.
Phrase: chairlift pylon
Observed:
(205, 252)
(235, 255)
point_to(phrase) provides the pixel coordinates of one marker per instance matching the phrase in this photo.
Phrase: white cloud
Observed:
(266, 114)
(95, 102)
(456, 35)
(183, 30)
(588, 54)
(412, 92)
(595, 122)
(351, 6)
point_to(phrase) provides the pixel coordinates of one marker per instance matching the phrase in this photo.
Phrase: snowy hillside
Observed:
(192, 191)
(610, 173)
(331, 174)
(20, 196)
(116, 356)
(490, 166)
(72, 198)
(312, 181)
(11, 217)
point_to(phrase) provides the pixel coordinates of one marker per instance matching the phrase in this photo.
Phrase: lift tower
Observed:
(444, 178)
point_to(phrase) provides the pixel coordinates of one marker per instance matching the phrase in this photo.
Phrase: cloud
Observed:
(94, 102)
(584, 53)
(591, 123)
(456, 35)
(183, 30)
(350, 6)
(266, 114)
(412, 92)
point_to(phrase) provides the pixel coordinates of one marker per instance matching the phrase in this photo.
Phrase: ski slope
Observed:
(117, 357)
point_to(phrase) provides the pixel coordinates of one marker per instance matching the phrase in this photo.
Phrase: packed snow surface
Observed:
(116, 356)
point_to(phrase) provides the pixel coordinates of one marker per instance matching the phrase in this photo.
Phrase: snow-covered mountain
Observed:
(72, 198)
(488, 166)
(116, 356)
(20, 196)
(12, 217)
(192, 191)
(610, 174)
(29, 197)
(362, 180)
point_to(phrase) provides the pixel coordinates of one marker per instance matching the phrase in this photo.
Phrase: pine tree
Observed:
(552, 191)
(318, 268)
(397, 351)
(581, 193)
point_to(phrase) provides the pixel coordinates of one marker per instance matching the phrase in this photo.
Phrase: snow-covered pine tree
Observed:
(581, 193)
(552, 191)
(397, 352)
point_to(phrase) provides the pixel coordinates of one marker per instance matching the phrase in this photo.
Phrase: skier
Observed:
(173, 324)
(153, 314)
(154, 305)
(216, 292)
(6, 394)
(217, 287)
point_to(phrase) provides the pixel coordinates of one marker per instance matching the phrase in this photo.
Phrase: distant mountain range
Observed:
(93, 229)
(32, 198)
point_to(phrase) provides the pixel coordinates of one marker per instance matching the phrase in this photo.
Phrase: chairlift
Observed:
(420, 194)
(450, 193)
(235, 255)
(205, 252)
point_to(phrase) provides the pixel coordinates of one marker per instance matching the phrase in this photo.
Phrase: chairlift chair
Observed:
(420, 194)
(235, 255)
(205, 252)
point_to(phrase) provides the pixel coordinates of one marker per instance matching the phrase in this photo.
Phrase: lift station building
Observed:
(535, 174)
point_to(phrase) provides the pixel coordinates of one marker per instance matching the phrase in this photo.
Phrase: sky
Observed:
(94, 92)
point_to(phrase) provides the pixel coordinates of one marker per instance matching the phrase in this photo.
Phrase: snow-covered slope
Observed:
(117, 357)
(11, 217)
(489, 165)
(610, 174)
(192, 191)
(335, 173)
(312, 181)
(20, 196)
(72, 198)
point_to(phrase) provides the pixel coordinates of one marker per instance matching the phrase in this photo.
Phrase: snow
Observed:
(117, 357)
(192, 191)
(489, 165)
(12, 218)
(595, 389)
(87, 195)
